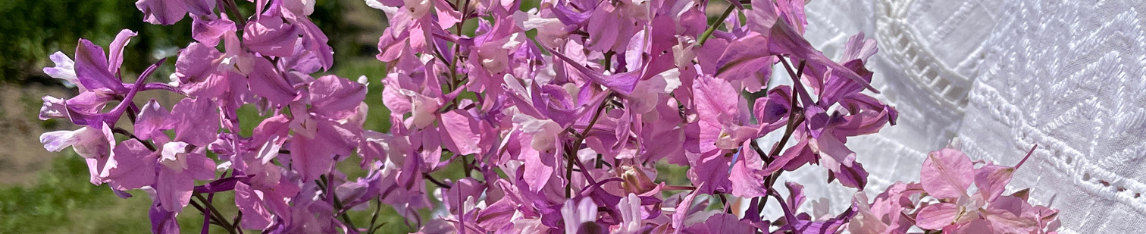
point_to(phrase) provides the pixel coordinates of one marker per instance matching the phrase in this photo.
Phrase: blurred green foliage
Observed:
(34, 29)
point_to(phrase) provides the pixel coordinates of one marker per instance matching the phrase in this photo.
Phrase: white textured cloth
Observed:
(1002, 76)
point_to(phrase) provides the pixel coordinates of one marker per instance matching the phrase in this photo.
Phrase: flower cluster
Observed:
(564, 129)
(266, 61)
(558, 117)
(945, 201)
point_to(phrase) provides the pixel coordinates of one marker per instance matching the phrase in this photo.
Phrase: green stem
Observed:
(215, 212)
(374, 216)
(708, 33)
(212, 218)
(238, 16)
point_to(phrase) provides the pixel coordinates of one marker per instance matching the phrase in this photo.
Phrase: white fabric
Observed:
(1002, 76)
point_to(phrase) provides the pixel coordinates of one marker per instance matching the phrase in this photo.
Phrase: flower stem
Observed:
(374, 216)
(571, 155)
(215, 212)
(235, 10)
(435, 181)
(708, 33)
(325, 185)
(794, 120)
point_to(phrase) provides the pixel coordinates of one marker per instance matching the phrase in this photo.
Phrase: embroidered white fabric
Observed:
(1002, 76)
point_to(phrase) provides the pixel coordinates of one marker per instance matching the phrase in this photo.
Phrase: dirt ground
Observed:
(21, 154)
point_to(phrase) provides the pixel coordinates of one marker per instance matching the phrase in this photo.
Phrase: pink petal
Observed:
(335, 97)
(992, 180)
(249, 201)
(313, 157)
(937, 216)
(91, 69)
(461, 132)
(115, 55)
(196, 121)
(266, 82)
(131, 166)
(947, 173)
(165, 12)
(153, 119)
(1006, 222)
(209, 32)
(173, 189)
(271, 36)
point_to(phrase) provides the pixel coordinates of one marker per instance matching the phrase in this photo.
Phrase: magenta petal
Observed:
(131, 166)
(266, 82)
(795, 195)
(313, 157)
(91, 69)
(539, 168)
(682, 209)
(53, 108)
(196, 121)
(199, 166)
(773, 107)
(315, 41)
(727, 223)
(712, 171)
(275, 126)
(209, 32)
(249, 201)
(173, 189)
(461, 132)
(947, 173)
(743, 57)
(792, 158)
(165, 12)
(271, 36)
(623, 83)
(199, 72)
(762, 16)
(162, 221)
(200, 7)
(115, 55)
(858, 48)
(196, 61)
(1007, 222)
(978, 226)
(335, 97)
(152, 120)
(746, 175)
(839, 155)
(603, 28)
(786, 41)
(854, 176)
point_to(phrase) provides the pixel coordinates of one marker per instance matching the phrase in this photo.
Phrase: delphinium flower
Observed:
(605, 91)
(283, 168)
(558, 118)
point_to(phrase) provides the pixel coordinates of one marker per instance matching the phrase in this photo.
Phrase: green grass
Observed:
(63, 201)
